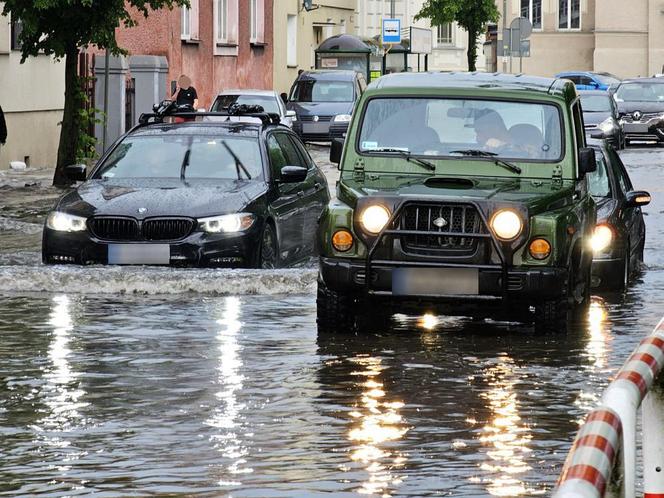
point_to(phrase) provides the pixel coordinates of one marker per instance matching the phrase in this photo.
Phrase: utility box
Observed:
(116, 108)
(150, 75)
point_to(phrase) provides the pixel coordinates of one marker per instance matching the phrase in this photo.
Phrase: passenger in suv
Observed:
(463, 193)
(323, 102)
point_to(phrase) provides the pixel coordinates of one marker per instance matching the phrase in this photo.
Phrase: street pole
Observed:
(392, 2)
(504, 31)
(107, 62)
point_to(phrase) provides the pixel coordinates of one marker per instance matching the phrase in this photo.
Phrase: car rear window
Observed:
(322, 91)
(164, 156)
(444, 127)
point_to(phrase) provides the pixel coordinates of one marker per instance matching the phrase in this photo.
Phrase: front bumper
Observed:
(608, 273)
(519, 284)
(338, 130)
(199, 249)
(644, 131)
(612, 137)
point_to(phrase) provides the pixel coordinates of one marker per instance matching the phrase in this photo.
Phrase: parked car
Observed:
(269, 100)
(588, 80)
(197, 193)
(641, 108)
(600, 116)
(620, 234)
(323, 102)
(460, 193)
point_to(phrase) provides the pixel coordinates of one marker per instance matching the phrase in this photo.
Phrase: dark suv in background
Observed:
(323, 102)
(641, 107)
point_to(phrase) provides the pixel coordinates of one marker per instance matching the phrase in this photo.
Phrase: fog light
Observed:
(342, 240)
(540, 249)
(602, 238)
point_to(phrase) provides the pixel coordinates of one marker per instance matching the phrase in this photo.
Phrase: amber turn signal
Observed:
(540, 249)
(342, 240)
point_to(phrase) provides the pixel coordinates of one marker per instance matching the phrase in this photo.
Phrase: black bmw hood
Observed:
(145, 198)
(630, 107)
(595, 118)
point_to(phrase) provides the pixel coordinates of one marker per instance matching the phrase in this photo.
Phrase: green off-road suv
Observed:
(463, 194)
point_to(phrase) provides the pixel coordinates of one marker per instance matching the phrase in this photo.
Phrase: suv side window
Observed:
(304, 153)
(623, 178)
(585, 80)
(277, 157)
(578, 125)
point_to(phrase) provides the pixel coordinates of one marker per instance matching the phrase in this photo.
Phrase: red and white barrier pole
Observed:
(653, 441)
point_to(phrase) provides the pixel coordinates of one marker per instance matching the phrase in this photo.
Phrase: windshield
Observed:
(596, 103)
(322, 91)
(607, 79)
(640, 92)
(163, 157)
(269, 104)
(439, 127)
(598, 181)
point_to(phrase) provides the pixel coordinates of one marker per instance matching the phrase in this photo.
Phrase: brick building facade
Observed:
(219, 44)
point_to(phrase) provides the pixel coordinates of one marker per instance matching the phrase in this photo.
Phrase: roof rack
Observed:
(169, 109)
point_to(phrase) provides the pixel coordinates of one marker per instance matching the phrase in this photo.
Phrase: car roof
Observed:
(645, 80)
(472, 80)
(594, 92)
(248, 91)
(601, 73)
(328, 75)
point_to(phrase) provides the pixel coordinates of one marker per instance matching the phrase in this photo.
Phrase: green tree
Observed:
(60, 28)
(471, 15)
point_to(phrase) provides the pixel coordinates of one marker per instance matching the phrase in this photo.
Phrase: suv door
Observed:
(290, 202)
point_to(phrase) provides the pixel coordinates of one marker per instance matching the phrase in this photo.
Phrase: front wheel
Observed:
(269, 254)
(552, 316)
(335, 311)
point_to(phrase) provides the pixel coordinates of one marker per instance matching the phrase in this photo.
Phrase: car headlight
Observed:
(607, 125)
(374, 218)
(506, 224)
(342, 118)
(228, 223)
(602, 238)
(63, 222)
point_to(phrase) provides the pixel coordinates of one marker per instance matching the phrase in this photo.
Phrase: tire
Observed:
(335, 311)
(580, 310)
(552, 316)
(269, 253)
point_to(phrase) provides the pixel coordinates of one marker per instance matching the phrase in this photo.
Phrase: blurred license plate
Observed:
(314, 128)
(139, 254)
(435, 281)
(637, 128)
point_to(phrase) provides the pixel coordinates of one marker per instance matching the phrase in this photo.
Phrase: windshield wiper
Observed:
(185, 161)
(489, 155)
(408, 156)
(238, 163)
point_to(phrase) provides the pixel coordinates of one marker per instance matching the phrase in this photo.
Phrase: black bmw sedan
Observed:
(620, 234)
(198, 193)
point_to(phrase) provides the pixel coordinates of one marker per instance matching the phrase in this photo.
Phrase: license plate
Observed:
(636, 128)
(315, 128)
(139, 254)
(435, 281)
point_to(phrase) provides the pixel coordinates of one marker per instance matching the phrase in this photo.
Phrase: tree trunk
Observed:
(472, 48)
(71, 121)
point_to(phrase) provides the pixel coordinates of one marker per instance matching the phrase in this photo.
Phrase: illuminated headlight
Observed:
(228, 223)
(374, 219)
(602, 238)
(63, 222)
(506, 224)
(607, 125)
(342, 118)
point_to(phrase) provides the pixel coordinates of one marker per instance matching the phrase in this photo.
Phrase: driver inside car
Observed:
(491, 132)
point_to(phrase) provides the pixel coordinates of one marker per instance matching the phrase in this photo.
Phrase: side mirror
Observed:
(291, 114)
(336, 148)
(284, 97)
(597, 134)
(638, 198)
(293, 174)
(587, 161)
(76, 172)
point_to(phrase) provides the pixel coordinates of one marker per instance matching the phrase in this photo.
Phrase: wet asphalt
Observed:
(160, 382)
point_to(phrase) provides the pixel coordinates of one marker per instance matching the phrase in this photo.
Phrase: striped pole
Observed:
(594, 455)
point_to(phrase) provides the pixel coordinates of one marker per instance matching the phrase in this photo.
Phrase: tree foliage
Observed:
(60, 28)
(471, 15)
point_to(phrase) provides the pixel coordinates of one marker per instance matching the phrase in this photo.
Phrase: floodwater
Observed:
(159, 382)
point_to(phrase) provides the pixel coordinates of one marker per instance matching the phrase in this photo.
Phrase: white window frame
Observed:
(185, 23)
(291, 42)
(221, 21)
(530, 13)
(253, 21)
(439, 31)
(569, 16)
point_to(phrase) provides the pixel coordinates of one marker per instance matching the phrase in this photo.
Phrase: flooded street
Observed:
(158, 381)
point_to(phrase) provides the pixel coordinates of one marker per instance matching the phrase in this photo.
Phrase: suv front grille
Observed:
(129, 229)
(452, 218)
(646, 117)
(321, 119)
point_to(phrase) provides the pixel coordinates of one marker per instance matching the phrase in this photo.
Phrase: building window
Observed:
(569, 14)
(189, 20)
(222, 21)
(16, 29)
(444, 34)
(257, 21)
(532, 10)
(291, 48)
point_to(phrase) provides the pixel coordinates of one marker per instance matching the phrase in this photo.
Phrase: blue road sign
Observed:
(391, 30)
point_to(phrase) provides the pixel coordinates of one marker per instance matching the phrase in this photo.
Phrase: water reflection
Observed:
(376, 423)
(508, 438)
(227, 417)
